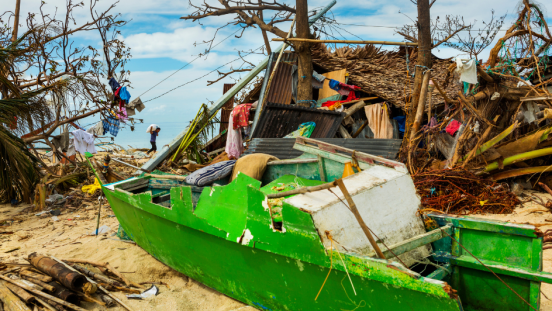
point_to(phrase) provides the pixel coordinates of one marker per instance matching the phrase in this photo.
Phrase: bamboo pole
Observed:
(347, 41)
(34, 275)
(520, 157)
(520, 172)
(354, 210)
(94, 282)
(421, 106)
(39, 293)
(107, 266)
(46, 286)
(473, 152)
(302, 190)
(11, 300)
(486, 146)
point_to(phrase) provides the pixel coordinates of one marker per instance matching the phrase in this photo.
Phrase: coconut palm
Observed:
(18, 167)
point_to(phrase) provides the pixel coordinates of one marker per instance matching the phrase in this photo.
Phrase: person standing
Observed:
(154, 130)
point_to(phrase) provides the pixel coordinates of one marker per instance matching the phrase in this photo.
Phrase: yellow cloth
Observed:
(92, 188)
(252, 165)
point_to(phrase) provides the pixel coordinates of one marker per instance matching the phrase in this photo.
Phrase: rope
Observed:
(489, 270)
(188, 63)
(331, 266)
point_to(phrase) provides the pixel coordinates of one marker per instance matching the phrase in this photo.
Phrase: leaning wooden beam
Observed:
(472, 109)
(477, 150)
(39, 293)
(354, 210)
(302, 190)
(347, 41)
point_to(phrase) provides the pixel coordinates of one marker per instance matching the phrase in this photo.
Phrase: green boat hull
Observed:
(263, 278)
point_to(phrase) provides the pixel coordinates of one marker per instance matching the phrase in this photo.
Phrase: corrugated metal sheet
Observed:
(282, 148)
(279, 120)
(280, 87)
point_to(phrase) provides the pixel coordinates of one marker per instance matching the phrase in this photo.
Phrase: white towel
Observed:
(468, 71)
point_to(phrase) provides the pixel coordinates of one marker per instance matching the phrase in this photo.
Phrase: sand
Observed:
(68, 238)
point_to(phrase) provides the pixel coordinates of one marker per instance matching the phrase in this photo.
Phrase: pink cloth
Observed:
(234, 143)
(123, 114)
(453, 127)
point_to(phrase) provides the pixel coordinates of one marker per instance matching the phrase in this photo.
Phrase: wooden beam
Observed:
(347, 41)
(415, 242)
(354, 210)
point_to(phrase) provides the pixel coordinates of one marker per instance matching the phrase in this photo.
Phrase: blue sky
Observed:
(162, 43)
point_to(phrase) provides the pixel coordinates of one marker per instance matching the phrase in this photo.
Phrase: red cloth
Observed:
(241, 116)
(453, 127)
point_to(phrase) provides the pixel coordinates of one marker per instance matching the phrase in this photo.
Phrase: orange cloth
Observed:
(379, 122)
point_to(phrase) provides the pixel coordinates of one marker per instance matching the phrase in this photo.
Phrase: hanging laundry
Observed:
(467, 71)
(61, 141)
(452, 127)
(241, 115)
(130, 111)
(114, 84)
(346, 89)
(111, 125)
(401, 120)
(83, 142)
(96, 130)
(136, 104)
(117, 92)
(152, 128)
(123, 113)
(334, 85)
(378, 121)
(124, 95)
(318, 81)
(234, 143)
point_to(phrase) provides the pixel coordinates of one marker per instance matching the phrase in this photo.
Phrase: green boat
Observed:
(307, 251)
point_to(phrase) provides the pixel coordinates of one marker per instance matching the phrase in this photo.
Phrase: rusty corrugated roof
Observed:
(280, 87)
(278, 120)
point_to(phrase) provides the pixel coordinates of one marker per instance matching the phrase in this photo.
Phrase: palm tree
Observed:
(19, 171)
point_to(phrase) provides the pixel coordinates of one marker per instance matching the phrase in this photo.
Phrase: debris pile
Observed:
(457, 191)
(54, 284)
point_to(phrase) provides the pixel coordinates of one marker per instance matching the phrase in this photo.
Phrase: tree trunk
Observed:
(304, 87)
(423, 59)
(16, 20)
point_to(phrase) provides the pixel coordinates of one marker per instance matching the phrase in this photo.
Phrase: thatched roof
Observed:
(382, 73)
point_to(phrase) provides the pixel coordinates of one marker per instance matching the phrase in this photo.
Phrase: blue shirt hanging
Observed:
(124, 94)
(114, 84)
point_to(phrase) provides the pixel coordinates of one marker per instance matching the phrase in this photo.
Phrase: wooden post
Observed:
(354, 210)
(10, 300)
(304, 87)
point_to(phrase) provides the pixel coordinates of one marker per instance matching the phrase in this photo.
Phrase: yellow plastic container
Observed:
(348, 171)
